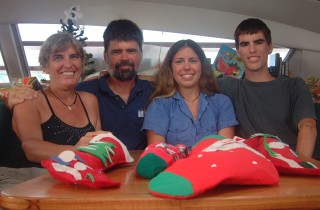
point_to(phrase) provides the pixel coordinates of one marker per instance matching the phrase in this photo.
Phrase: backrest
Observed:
(5, 130)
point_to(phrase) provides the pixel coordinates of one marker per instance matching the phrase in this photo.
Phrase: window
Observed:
(155, 47)
(3, 72)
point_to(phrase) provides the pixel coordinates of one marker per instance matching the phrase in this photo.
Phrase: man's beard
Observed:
(124, 74)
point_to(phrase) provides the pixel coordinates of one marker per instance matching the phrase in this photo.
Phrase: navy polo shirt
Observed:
(123, 120)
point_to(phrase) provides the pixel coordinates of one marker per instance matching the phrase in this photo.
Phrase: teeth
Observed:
(68, 73)
(187, 76)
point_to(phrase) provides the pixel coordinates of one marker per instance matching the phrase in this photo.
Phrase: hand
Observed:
(20, 93)
(84, 140)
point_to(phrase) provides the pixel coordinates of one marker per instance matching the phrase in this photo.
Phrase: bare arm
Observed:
(306, 137)
(26, 123)
(227, 132)
(154, 137)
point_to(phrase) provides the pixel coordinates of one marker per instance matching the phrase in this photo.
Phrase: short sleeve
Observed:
(156, 118)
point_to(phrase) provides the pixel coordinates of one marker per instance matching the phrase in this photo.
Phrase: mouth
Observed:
(187, 76)
(68, 73)
(253, 58)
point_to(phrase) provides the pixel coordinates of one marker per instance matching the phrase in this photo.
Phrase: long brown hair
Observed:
(165, 83)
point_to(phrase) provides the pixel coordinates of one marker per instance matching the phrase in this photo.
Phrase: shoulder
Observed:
(145, 84)
(84, 85)
(293, 82)
(87, 98)
(219, 97)
(31, 104)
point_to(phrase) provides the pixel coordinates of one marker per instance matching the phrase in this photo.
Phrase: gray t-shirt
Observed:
(274, 107)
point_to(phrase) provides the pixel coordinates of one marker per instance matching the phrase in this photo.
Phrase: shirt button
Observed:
(122, 107)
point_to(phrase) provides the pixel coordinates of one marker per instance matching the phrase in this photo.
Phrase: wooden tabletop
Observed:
(293, 192)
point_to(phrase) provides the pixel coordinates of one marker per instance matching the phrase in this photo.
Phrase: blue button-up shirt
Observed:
(171, 118)
(124, 120)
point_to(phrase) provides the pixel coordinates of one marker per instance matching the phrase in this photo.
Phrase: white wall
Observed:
(305, 64)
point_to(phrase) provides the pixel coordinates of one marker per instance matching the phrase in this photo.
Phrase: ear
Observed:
(270, 48)
(105, 57)
(45, 69)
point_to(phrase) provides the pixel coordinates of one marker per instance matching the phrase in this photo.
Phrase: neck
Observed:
(120, 87)
(190, 94)
(259, 76)
(62, 94)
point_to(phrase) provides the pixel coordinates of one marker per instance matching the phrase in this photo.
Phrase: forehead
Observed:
(246, 37)
(185, 52)
(120, 44)
(68, 49)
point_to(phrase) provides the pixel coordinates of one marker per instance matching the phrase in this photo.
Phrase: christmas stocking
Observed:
(211, 162)
(86, 165)
(157, 157)
(285, 160)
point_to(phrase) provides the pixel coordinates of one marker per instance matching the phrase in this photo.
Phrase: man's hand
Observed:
(20, 93)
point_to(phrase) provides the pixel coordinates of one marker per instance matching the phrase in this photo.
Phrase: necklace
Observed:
(69, 106)
(191, 101)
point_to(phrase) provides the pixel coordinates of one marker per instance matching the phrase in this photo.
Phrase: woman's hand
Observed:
(85, 140)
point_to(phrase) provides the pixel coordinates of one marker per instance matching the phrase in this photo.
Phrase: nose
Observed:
(124, 56)
(252, 48)
(186, 64)
(67, 63)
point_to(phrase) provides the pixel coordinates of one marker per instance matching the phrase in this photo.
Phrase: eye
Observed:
(115, 52)
(244, 44)
(179, 61)
(56, 57)
(132, 51)
(259, 42)
(194, 60)
(75, 56)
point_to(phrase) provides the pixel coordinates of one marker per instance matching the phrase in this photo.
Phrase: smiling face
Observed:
(123, 58)
(65, 67)
(186, 68)
(253, 51)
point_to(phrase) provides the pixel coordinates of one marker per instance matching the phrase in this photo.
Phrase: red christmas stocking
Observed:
(285, 160)
(211, 162)
(157, 157)
(86, 165)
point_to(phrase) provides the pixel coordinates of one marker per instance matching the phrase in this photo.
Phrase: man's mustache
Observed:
(124, 63)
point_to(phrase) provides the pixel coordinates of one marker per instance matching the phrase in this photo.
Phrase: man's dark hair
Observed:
(122, 30)
(252, 26)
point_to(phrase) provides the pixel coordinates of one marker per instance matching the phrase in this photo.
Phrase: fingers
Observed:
(85, 140)
(23, 92)
(20, 93)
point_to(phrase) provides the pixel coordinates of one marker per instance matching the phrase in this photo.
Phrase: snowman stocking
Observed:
(86, 165)
(214, 161)
(157, 157)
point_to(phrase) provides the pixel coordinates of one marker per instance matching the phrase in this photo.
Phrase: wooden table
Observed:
(293, 192)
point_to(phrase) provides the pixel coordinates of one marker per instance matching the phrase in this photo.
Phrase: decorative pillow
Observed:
(214, 161)
(86, 165)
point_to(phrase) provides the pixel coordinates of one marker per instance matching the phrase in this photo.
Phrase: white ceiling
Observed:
(304, 14)
(295, 23)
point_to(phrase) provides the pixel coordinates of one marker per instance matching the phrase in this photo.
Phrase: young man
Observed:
(264, 104)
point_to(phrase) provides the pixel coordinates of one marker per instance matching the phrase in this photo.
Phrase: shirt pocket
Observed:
(208, 123)
(180, 131)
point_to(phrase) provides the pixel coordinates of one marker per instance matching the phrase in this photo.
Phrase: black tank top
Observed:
(56, 131)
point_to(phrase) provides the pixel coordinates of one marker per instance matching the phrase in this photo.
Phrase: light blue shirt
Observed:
(171, 118)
